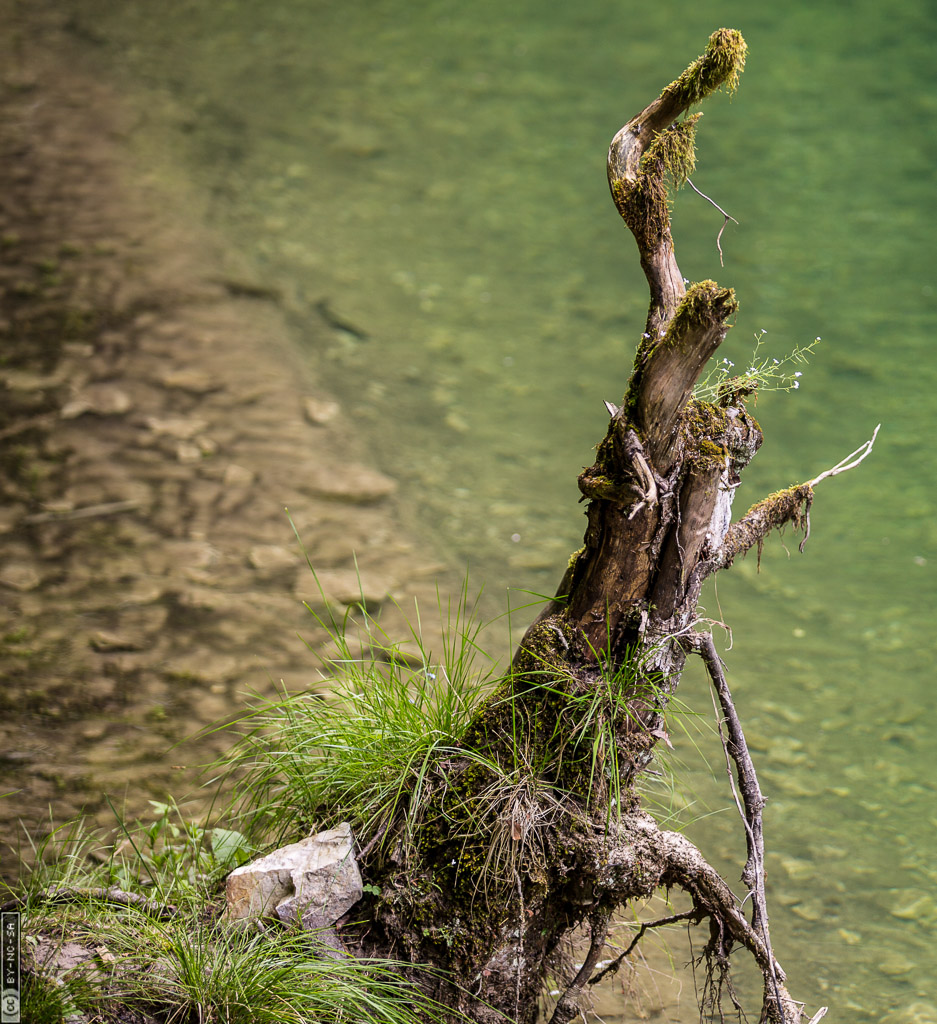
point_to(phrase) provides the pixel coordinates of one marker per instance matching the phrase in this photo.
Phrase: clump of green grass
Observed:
(364, 751)
(382, 747)
(188, 970)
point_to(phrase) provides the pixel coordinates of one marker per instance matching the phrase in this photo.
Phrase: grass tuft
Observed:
(187, 970)
(364, 752)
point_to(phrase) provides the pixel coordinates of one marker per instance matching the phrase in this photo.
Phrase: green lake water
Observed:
(431, 175)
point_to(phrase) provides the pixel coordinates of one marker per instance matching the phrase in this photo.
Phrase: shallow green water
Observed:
(432, 176)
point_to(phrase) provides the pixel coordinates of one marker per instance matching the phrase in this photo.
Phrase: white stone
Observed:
(182, 428)
(320, 411)
(314, 881)
(100, 399)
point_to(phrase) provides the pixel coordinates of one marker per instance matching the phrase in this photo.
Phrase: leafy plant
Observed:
(172, 853)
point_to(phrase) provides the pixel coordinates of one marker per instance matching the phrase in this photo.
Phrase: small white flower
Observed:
(775, 362)
(798, 374)
(645, 335)
(796, 383)
(752, 371)
(818, 339)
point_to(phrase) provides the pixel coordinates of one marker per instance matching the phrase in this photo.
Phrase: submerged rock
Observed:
(342, 586)
(270, 559)
(919, 1012)
(196, 382)
(19, 575)
(348, 482)
(914, 905)
(894, 965)
(181, 428)
(320, 411)
(99, 400)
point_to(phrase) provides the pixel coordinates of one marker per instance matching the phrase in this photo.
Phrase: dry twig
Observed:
(110, 508)
(750, 805)
(728, 217)
(752, 800)
(65, 894)
(688, 915)
(862, 451)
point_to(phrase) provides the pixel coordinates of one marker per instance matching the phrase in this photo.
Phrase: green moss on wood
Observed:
(643, 200)
(644, 207)
(673, 151)
(791, 505)
(705, 305)
(644, 203)
(720, 65)
(574, 557)
(704, 426)
(709, 455)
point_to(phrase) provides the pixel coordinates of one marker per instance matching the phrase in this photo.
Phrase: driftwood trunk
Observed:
(534, 828)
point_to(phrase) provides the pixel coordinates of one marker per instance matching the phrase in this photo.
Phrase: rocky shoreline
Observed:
(155, 424)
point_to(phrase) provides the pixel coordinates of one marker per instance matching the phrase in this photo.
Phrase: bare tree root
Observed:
(752, 800)
(664, 860)
(568, 1005)
(64, 894)
(689, 869)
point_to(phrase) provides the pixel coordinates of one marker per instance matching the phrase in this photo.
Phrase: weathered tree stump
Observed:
(533, 827)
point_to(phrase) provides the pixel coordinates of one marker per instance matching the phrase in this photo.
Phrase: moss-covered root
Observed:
(652, 148)
(791, 505)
